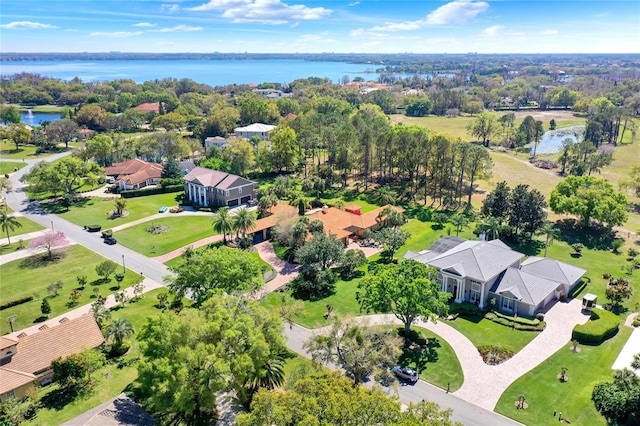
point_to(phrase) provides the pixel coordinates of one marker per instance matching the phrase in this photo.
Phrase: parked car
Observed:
(163, 209)
(405, 373)
(110, 240)
(252, 203)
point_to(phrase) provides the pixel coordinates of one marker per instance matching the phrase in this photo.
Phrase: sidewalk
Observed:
(22, 253)
(22, 237)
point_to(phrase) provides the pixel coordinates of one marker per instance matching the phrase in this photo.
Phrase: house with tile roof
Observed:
(477, 271)
(206, 187)
(344, 224)
(26, 361)
(134, 174)
(256, 129)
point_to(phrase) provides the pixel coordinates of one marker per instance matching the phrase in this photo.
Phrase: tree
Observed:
(589, 198)
(74, 296)
(216, 270)
(550, 233)
(392, 238)
(617, 291)
(63, 130)
(618, 401)
(244, 221)
(385, 195)
(527, 210)
(45, 307)
(635, 364)
(99, 311)
(73, 374)
(459, 221)
(106, 268)
(169, 121)
(119, 330)
(484, 126)
(188, 358)
(171, 170)
(406, 289)
(63, 177)
(8, 223)
(492, 226)
(54, 288)
(92, 116)
(222, 222)
(419, 107)
(284, 148)
(54, 242)
(498, 202)
(538, 132)
(239, 153)
(352, 260)
(100, 148)
(19, 133)
(360, 350)
(120, 204)
(9, 114)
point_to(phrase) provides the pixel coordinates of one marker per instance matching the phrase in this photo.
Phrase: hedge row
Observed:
(519, 320)
(464, 308)
(15, 303)
(151, 191)
(510, 322)
(94, 228)
(603, 324)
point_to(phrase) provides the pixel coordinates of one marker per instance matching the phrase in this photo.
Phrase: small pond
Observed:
(551, 142)
(34, 118)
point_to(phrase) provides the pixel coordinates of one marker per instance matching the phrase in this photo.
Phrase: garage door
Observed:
(232, 203)
(244, 200)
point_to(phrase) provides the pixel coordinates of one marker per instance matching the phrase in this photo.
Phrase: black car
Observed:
(405, 373)
(110, 240)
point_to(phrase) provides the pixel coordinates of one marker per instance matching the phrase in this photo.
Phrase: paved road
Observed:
(17, 200)
(463, 411)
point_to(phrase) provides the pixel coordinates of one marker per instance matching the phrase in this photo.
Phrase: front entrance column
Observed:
(481, 305)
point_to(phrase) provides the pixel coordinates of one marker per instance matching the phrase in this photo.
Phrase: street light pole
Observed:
(124, 270)
(52, 230)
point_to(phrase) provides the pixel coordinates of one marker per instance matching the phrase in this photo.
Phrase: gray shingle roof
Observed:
(480, 260)
(553, 269)
(528, 288)
(215, 179)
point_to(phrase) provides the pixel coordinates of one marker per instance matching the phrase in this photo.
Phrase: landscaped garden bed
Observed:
(494, 355)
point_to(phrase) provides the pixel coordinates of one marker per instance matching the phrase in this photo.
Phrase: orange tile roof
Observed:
(134, 171)
(7, 342)
(12, 379)
(149, 107)
(36, 351)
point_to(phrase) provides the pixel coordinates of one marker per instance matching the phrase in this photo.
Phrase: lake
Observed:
(211, 72)
(35, 118)
(551, 142)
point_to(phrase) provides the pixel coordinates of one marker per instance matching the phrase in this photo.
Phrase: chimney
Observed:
(482, 236)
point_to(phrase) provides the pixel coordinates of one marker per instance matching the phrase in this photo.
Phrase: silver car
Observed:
(405, 373)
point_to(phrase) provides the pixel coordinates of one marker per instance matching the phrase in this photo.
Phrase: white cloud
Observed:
(26, 25)
(315, 38)
(143, 24)
(549, 32)
(263, 11)
(117, 34)
(456, 12)
(493, 30)
(169, 8)
(361, 33)
(179, 29)
(353, 3)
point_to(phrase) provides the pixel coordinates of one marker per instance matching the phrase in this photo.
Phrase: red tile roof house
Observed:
(149, 107)
(134, 174)
(207, 187)
(25, 361)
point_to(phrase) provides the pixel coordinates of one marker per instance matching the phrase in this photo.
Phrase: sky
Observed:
(306, 26)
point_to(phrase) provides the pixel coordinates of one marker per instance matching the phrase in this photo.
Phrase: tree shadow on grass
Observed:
(530, 248)
(594, 237)
(423, 214)
(40, 261)
(418, 351)
(40, 319)
(58, 400)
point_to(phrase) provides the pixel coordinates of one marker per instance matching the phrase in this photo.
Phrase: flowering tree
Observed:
(54, 242)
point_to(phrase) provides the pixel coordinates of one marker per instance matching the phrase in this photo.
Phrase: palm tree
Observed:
(8, 223)
(120, 205)
(267, 201)
(550, 232)
(385, 196)
(244, 221)
(492, 227)
(299, 233)
(459, 221)
(119, 330)
(222, 222)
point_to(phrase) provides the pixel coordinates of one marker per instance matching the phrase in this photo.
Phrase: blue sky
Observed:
(290, 26)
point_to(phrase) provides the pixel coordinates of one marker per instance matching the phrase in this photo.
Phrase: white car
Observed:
(405, 373)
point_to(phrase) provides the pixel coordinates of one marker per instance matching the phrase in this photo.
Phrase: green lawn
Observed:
(545, 393)
(8, 150)
(27, 277)
(14, 246)
(27, 226)
(112, 380)
(183, 230)
(43, 108)
(10, 166)
(90, 211)
(438, 364)
(485, 332)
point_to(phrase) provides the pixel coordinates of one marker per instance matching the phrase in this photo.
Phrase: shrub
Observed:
(636, 322)
(519, 323)
(107, 233)
(205, 209)
(578, 289)
(540, 316)
(601, 326)
(15, 302)
(464, 308)
(151, 191)
(494, 355)
(94, 228)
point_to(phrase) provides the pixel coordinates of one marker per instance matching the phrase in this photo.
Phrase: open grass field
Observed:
(484, 332)
(545, 393)
(30, 277)
(94, 211)
(182, 231)
(10, 166)
(111, 379)
(42, 108)
(8, 150)
(27, 226)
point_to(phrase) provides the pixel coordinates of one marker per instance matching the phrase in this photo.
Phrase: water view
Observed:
(551, 142)
(212, 72)
(36, 118)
